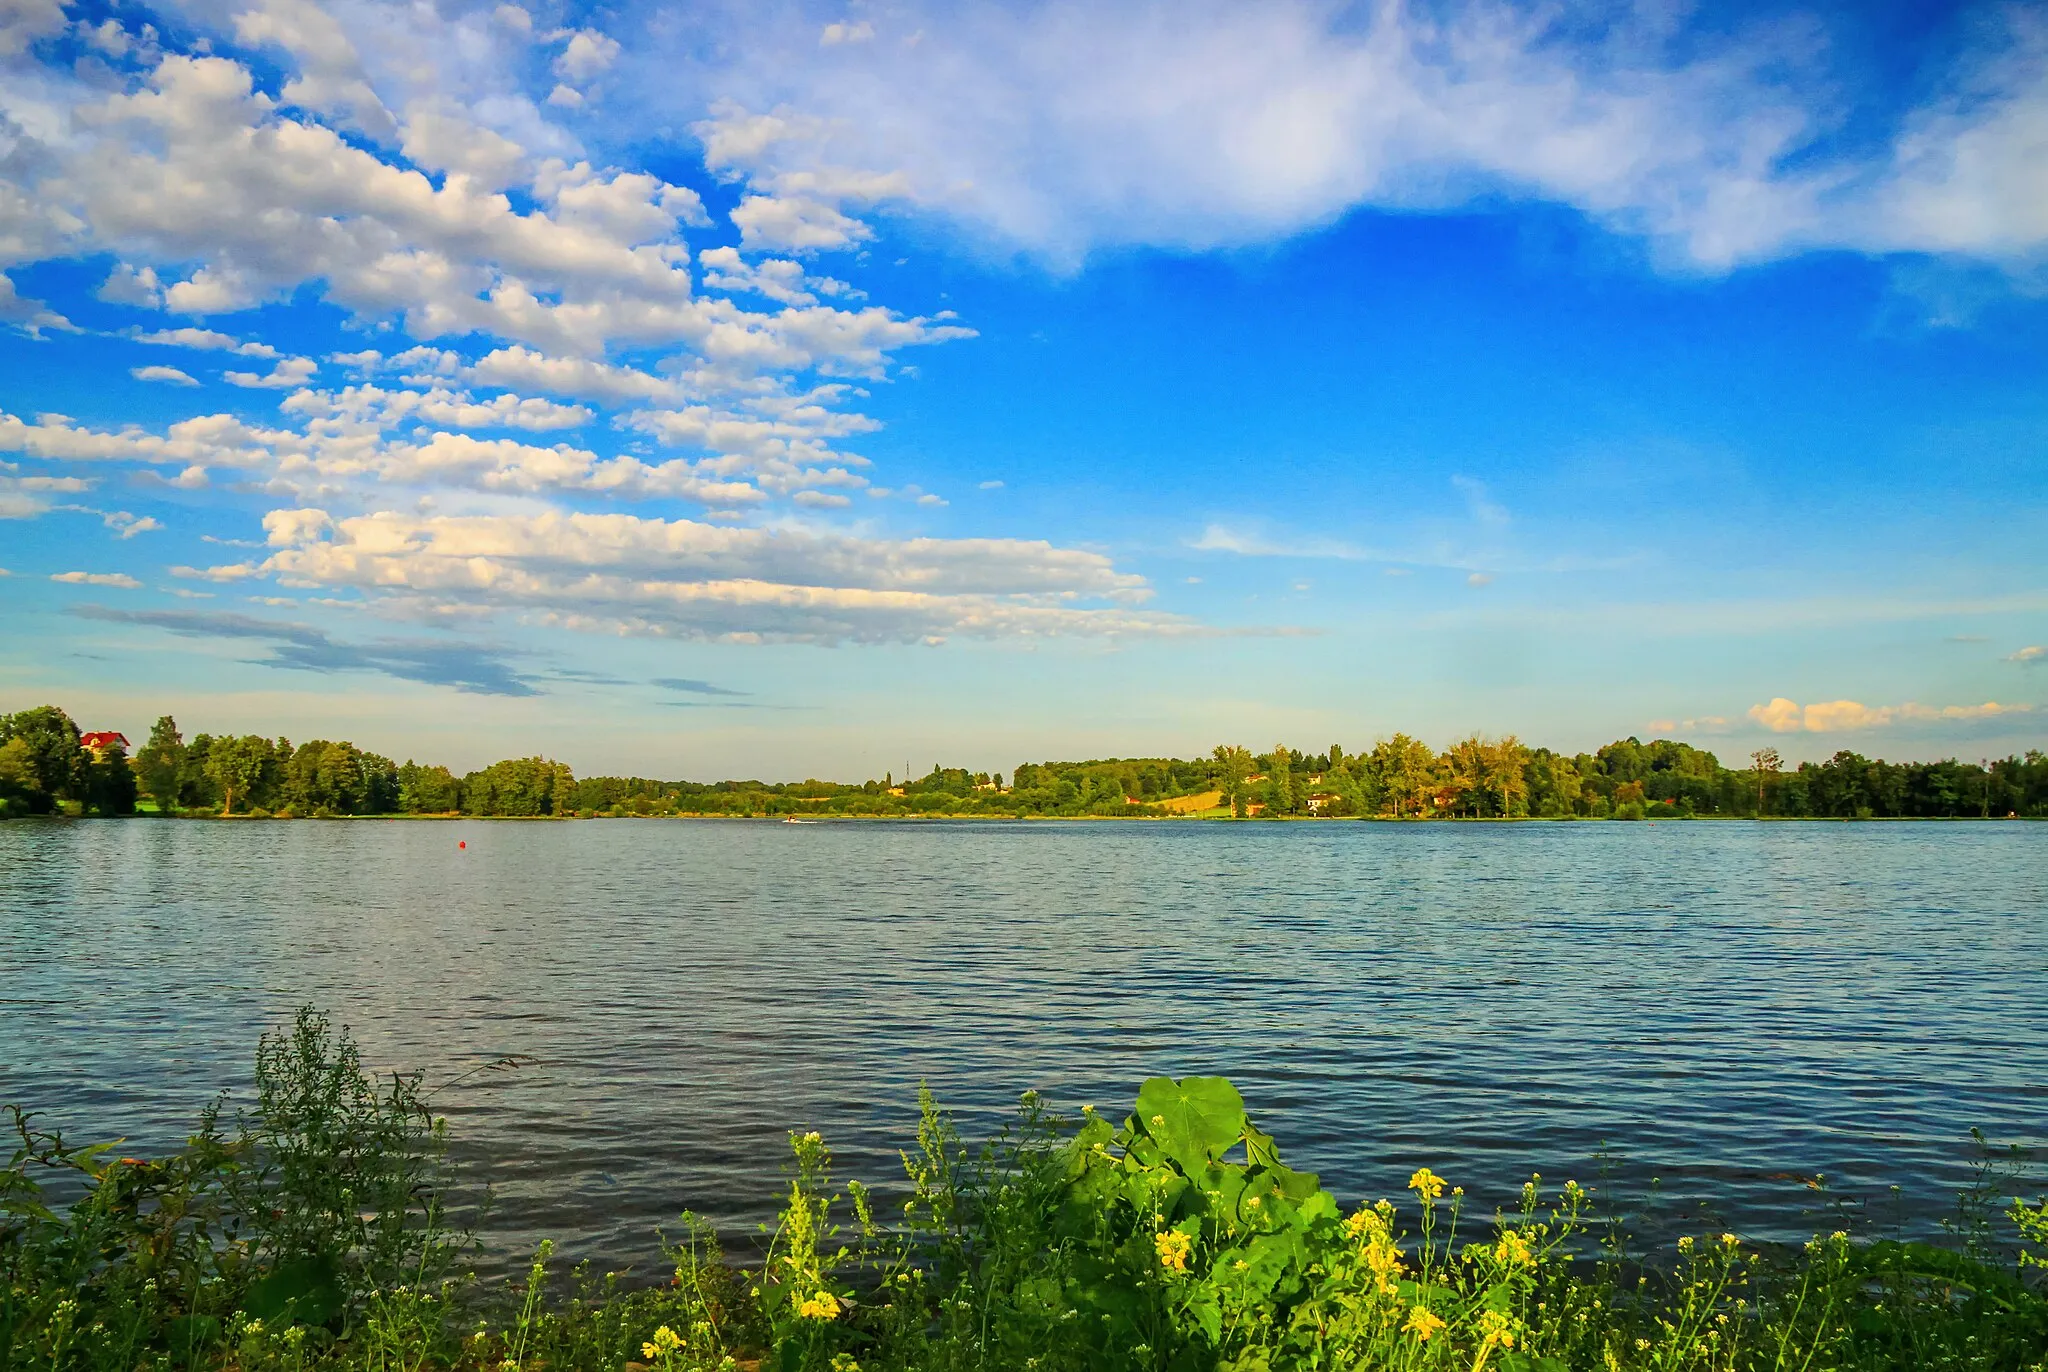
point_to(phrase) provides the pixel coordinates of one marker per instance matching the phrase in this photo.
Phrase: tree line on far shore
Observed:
(46, 769)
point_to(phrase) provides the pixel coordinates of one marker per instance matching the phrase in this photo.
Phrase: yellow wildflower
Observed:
(822, 1306)
(1497, 1328)
(1426, 1184)
(1422, 1322)
(1173, 1247)
(1514, 1251)
(665, 1342)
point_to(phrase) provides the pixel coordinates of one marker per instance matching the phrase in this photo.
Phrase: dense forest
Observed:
(47, 767)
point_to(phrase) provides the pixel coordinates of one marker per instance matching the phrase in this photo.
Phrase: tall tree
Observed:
(1764, 762)
(161, 764)
(1233, 765)
(1502, 774)
(110, 782)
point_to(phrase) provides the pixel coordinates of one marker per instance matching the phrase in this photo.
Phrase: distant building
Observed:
(1321, 801)
(99, 741)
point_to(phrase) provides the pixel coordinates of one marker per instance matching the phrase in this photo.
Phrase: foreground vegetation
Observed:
(44, 770)
(313, 1234)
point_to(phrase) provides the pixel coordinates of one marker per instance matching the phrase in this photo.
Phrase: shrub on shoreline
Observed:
(313, 1235)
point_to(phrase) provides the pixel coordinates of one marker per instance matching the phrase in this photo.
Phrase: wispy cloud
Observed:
(690, 687)
(1198, 126)
(301, 647)
(120, 579)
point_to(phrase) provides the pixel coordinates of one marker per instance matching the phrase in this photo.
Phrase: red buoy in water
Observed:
(462, 843)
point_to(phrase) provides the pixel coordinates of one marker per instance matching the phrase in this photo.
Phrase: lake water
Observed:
(1725, 1007)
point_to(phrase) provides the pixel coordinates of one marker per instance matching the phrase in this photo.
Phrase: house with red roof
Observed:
(100, 740)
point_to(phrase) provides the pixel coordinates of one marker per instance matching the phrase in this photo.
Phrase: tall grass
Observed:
(310, 1233)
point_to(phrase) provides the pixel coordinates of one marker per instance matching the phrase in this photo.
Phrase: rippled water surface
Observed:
(1726, 1007)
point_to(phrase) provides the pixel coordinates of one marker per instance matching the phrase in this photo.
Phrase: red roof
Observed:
(102, 739)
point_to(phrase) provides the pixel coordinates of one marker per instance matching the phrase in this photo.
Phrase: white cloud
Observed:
(1061, 127)
(170, 374)
(206, 340)
(440, 137)
(31, 316)
(381, 409)
(1839, 716)
(587, 54)
(209, 440)
(26, 497)
(129, 285)
(796, 224)
(1969, 172)
(2030, 655)
(120, 579)
(289, 372)
(331, 79)
(523, 368)
(618, 573)
(776, 278)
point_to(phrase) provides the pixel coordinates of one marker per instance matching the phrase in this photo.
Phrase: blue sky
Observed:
(773, 390)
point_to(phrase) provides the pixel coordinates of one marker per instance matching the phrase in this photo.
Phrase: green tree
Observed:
(236, 766)
(428, 790)
(1280, 794)
(1764, 763)
(1501, 775)
(1233, 765)
(161, 764)
(110, 782)
(18, 781)
(55, 762)
(1406, 769)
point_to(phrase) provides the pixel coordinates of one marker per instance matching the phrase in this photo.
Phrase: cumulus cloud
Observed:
(588, 52)
(1785, 716)
(686, 579)
(290, 372)
(2030, 655)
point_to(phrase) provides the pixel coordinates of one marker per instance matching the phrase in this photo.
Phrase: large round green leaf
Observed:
(1193, 1120)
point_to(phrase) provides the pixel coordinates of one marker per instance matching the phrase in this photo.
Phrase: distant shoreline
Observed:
(456, 815)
